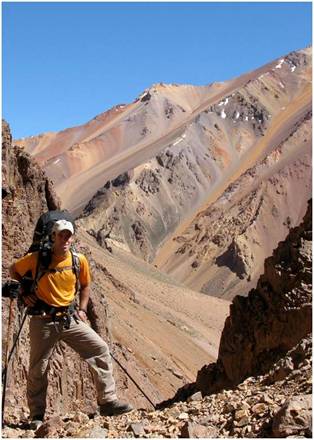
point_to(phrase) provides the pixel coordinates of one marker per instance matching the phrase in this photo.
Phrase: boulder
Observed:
(137, 429)
(49, 429)
(294, 418)
(194, 430)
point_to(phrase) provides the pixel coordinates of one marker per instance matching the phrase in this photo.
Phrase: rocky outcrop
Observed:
(26, 194)
(274, 317)
(294, 418)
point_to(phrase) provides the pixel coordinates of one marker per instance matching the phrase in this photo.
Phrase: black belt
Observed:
(60, 314)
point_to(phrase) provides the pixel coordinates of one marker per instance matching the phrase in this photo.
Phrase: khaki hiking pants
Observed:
(44, 334)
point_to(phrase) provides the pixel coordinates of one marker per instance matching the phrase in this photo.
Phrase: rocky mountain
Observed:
(201, 181)
(157, 329)
(259, 387)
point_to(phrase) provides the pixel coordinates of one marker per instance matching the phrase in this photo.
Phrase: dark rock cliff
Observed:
(274, 317)
(27, 193)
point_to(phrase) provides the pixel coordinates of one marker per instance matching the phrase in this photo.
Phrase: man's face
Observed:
(62, 242)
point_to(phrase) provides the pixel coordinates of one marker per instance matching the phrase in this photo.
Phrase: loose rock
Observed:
(294, 418)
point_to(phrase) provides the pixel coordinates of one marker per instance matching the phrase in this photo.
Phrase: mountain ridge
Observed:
(222, 91)
(162, 162)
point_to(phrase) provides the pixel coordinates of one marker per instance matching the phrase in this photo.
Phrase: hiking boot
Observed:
(114, 408)
(36, 422)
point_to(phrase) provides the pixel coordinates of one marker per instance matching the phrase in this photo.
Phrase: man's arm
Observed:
(29, 300)
(84, 298)
(13, 274)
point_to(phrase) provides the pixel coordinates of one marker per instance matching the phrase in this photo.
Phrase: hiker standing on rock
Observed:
(55, 318)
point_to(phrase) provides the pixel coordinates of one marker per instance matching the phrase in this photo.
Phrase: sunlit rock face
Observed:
(201, 181)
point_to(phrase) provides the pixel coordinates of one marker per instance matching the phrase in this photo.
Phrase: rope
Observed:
(145, 395)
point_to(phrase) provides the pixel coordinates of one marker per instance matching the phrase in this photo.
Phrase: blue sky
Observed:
(64, 63)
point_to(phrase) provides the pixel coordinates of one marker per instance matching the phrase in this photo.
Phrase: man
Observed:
(58, 321)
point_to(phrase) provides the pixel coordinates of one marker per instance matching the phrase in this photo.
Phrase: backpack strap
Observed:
(76, 265)
(39, 273)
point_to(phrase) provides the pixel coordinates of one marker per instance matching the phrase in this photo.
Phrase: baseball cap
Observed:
(62, 225)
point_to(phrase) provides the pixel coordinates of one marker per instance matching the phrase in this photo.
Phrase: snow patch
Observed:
(293, 68)
(237, 115)
(279, 64)
(56, 161)
(281, 85)
(179, 139)
(223, 114)
(225, 101)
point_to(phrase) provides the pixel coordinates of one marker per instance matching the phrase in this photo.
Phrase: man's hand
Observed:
(84, 298)
(30, 300)
(82, 315)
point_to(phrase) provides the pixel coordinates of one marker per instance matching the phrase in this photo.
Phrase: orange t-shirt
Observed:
(55, 288)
